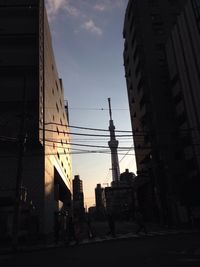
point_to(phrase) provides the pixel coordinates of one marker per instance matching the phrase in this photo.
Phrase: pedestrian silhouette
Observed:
(140, 222)
(111, 224)
(57, 227)
(77, 228)
(71, 232)
(90, 232)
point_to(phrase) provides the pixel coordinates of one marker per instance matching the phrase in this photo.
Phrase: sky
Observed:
(88, 47)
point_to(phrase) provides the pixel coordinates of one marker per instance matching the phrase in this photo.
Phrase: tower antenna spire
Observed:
(113, 144)
(110, 111)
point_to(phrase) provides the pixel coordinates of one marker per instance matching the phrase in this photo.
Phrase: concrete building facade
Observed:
(182, 51)
(147, 27)
(35, 141)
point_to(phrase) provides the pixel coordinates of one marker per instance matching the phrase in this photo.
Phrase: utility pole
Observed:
(22, 141)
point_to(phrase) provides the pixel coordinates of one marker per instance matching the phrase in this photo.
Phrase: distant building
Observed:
(100, 201)
(127, 177)
(119, 201)
(160, 120)
(34, 137)
(78, 196)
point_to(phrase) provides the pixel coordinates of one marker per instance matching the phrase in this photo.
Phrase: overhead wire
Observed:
(83, 134)
(125, 131)
(85, 128)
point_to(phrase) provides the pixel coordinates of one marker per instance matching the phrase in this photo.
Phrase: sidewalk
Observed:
(124, 230)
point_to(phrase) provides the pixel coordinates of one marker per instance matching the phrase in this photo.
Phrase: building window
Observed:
(57, 130)
(178, 98)
(131, 87)
(135, 53)
(133, 40)
(140, 84)
(130, 9)
(57, 107)
(60, 103)
(132, 23)
(174, 80)
(142, 102)
(182, 118)
(137, 70)
(57, 86)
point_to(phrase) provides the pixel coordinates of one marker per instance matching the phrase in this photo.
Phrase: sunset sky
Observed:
(88, 47)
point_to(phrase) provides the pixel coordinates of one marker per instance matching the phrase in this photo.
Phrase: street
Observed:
(159, 250)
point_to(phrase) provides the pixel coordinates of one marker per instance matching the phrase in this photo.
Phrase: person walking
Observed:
(111, 224)
(57, 227)
(139, 219)
(71, 231)
(90, 231)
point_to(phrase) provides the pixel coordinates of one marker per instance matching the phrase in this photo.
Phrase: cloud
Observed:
(83, 12)
(71, 10)
(54, 6)
(75, 8)
(104, 5)
(100, 7)
(91, 27)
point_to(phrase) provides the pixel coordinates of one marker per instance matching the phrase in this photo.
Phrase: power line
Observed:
(100, 109)
(75, 144)
(85, 128)
(126, 131)
(125, 154)
(82, 134)
(83, 150)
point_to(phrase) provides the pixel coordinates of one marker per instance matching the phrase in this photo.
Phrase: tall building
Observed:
(100, 201)
(34, 137)
(78, 197)
(147, 27)
(113, 144)
(182, 52)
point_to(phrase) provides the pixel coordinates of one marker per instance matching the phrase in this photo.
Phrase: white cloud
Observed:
(71, 10)
(103, 5)
(91, 27)
(75, 8)
(100, 7)
(54, 6)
